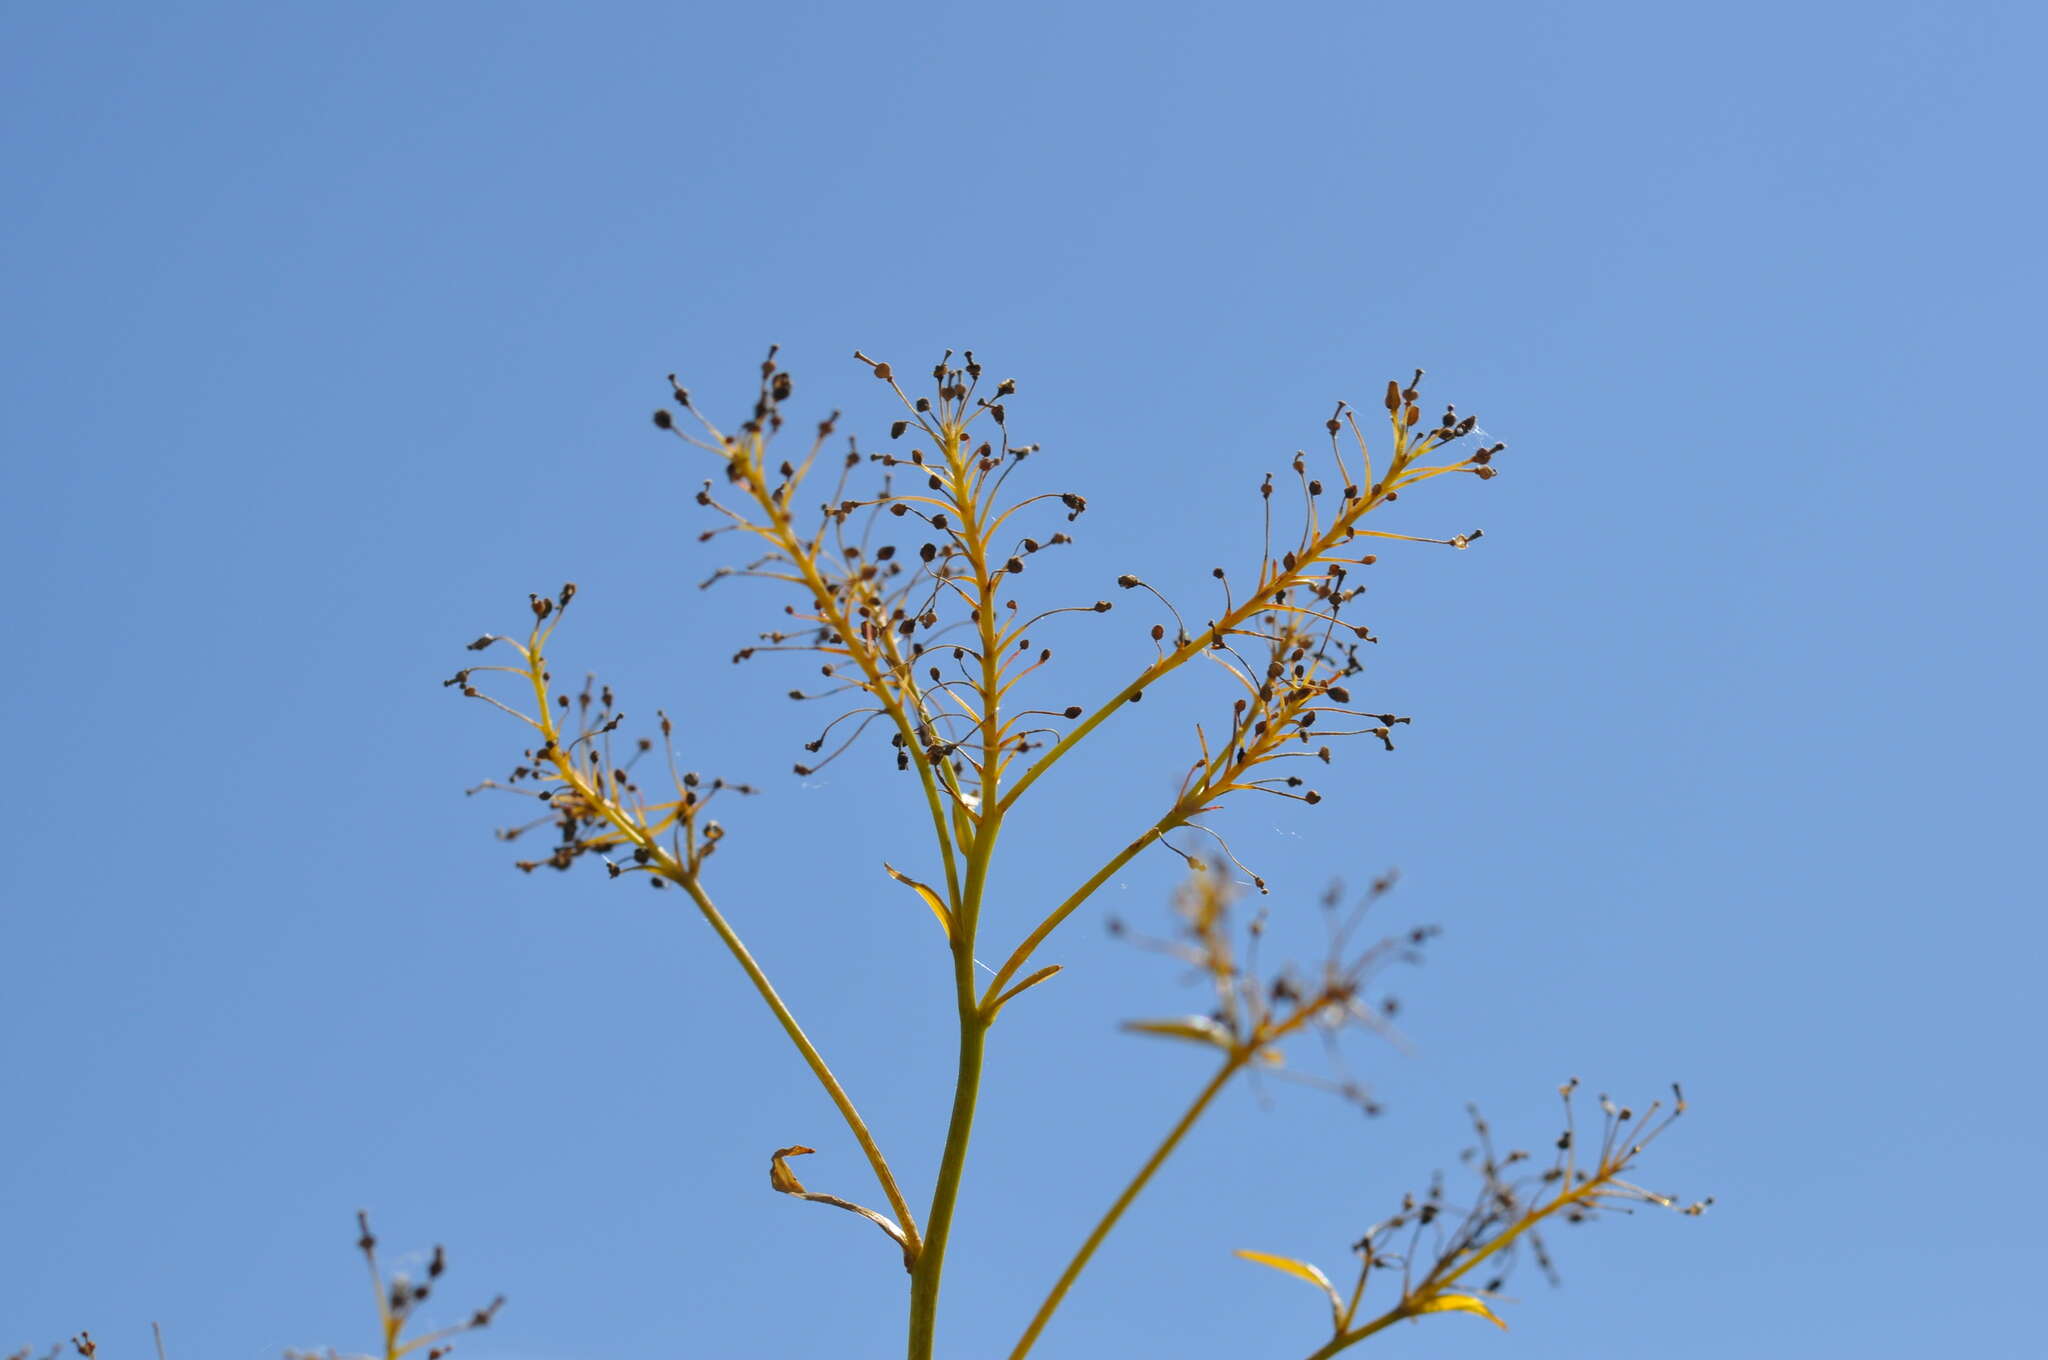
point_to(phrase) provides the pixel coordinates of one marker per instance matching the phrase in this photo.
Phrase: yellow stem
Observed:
(1123, 1202)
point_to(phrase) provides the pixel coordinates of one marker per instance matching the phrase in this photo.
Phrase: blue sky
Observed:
(334, 331)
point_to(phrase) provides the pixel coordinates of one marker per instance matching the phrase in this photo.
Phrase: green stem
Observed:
(1123, 1202)
(931, 1259)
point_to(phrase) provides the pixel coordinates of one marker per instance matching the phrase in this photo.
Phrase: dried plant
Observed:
(898, 575)
(399, 1298)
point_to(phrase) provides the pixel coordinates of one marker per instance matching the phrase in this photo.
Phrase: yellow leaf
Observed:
(1299, 1269)
(1459, 1303)
(1201, 1028)
(931, 898)
(1302, 1270)
(780, 1177)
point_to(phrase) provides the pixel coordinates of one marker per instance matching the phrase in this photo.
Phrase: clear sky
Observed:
(333, 331)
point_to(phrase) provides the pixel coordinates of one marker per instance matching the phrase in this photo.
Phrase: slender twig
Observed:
(1123, 1201)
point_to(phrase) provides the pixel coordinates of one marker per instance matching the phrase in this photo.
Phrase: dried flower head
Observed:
(1257, 1009)
(398, 1302)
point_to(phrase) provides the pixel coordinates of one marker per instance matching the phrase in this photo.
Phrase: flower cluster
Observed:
(1435, 1243)
(595, 802)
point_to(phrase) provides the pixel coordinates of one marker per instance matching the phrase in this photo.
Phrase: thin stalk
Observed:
(1023, 952)
(1123, 1202)
(812, 1058)
(1189, 805)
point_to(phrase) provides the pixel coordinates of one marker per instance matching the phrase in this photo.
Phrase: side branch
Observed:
(1021, 955)
(660, 859)
(1123, 1201)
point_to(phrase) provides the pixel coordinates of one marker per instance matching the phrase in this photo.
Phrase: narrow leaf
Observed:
(1459, 1303)
(1032, 981)
(931, 898)
(783, 1180)
(1302, 1270)
(1201, 1028)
